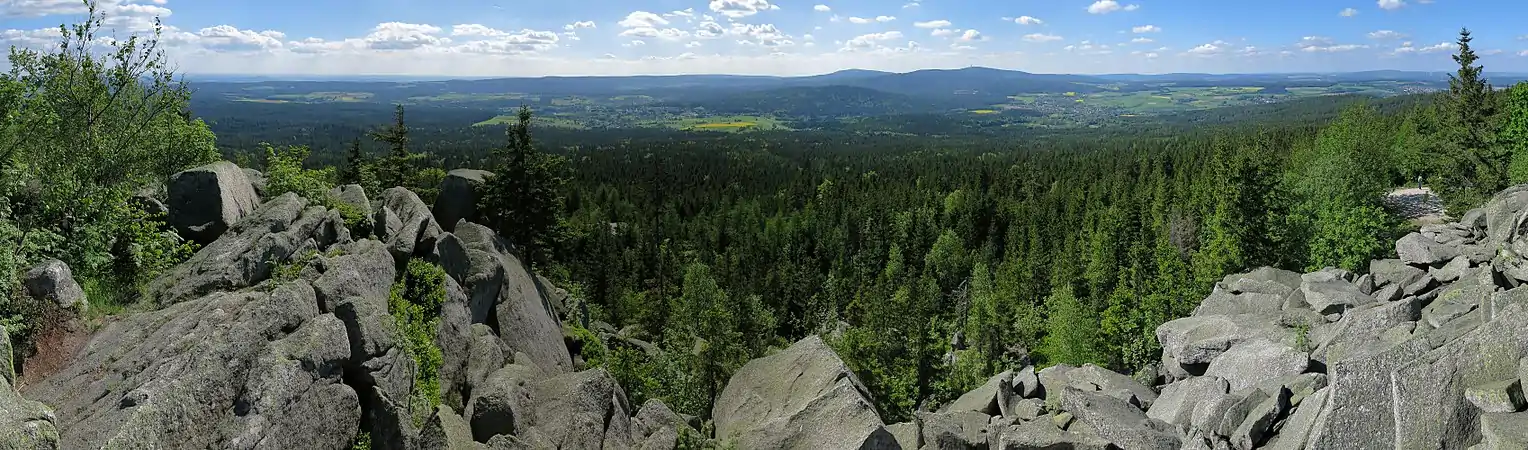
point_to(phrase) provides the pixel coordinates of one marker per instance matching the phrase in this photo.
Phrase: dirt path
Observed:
(1420, 206)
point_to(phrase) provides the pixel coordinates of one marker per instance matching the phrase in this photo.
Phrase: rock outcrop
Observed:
(459, 195)
(801, 398)
(206, 201)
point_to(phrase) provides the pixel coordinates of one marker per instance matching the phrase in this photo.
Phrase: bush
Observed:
(415, 306)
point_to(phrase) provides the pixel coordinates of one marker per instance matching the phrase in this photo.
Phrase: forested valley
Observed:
(929, 262)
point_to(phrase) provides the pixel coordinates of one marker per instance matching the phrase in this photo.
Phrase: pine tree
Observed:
(396, 168)
(522, 201)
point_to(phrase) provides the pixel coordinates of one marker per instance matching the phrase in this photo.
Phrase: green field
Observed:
(455, 97)
(721, 123)
(324, 97)
(536, 121)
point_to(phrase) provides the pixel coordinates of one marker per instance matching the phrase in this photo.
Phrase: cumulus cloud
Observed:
(1391, 5)
(1349, 12)
(911, 5)
(822, 8)
(1146, 29)
(1386, 35)
(577, 25)
(862, 20)
(871, 41)
(1213, 48)
(1027, 20)
(643, 19)
(404, 36)
(667, 34)
(972, 36)
(1041, 37)
(735, 9)
(1141, 40)
(230, 38)
(932, 24)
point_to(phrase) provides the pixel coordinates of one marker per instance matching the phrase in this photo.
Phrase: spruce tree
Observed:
(1479, 167)
(522, 201)
(355, 163)
(396, 167)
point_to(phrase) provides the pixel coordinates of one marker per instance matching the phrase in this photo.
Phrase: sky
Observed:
(476, 38)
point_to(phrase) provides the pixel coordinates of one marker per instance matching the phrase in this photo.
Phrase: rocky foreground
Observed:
(1424, 351)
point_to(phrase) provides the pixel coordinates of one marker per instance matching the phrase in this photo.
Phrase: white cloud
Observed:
(1210, 49)
(1141, 40)
(693, 44)
(710, 30)
(1027, 20)
(870, 41)
(667, 34)
(1132, 7)
(688, 14)
(1491, 52)
(636, 43)
(1440, 47)
(643, 19)
(1391, 5)
(943, 32)
(512, 43)
(932, 24)
(1522, 53)
(404, 36)
(1103, 7)
(1041, 37)
(1146, 29)
(821, 8)
(972, 36)
(576, 25)
(911, 5)
(1349, 12)
(1387, 35)
(862, 20)
(741, 8)
(227, 37)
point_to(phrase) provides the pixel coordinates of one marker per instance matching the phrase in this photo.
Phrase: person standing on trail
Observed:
(1419, 181)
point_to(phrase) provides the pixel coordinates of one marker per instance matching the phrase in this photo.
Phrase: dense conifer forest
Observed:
(929, 261)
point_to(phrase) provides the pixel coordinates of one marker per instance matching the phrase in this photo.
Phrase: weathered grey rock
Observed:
(990, 399)
(1454, 302)
(7, 357)
(52, 280)
(256, 180)
(364, 270)
(1256, 427)
(405, 224)
(1301, 423)
(1252, 362)
(251, 369)
(24, 424)
(447, 431)
(1198, 340)
(1501, 213)
(502, 404)
(1118, 422)
(1417, 249)
(658, 427)
(248, 253)
(1388, 272)
(1093, 378)
(1062, 419)
(1328, 292)
(1025, 409)
(908, 434)
(1453, 270)
(954, 430)
(1267, 280)
(1026, 383)
(1501, 431)
(1429, 390)
(1225, 302)
(1042, 435)
(1299, 386)
(1053, 378)
(583, 410)
(802, 397)
(1362, 328)
(1238, 411)
(353, 195)
(1499, 300)
(1177, 402)
(1211, 409)
(1360, 410)
(500, 285)
(206, 201)
(1499, 397)
(459, 194)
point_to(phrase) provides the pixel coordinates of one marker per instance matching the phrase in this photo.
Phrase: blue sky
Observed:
(794, 37)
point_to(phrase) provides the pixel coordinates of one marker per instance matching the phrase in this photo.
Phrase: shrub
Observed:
(415, 306)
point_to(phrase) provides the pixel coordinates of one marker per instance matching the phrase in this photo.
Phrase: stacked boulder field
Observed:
(277, 334)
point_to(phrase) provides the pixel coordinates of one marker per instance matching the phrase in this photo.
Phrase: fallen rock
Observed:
(1301, 423)
(1041, 434)
(459, 195)
(1417, 249)
(447, 431)
(1177, 402)
(281, 231)
(954, 430)
(1429, 390)
(908, 434)
(1026, 383)
(1198, 340)
(1118, 422)
(1093, 378)
(353, 195)
(256, 180)
(405, 224)
(803, 397)
(206, 201)
(583, 410)
(1252, 362)
(1328, 292)
(52, 280)
(1499, 397)
(990, 399)
(1504, 431)
(1255, 429)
